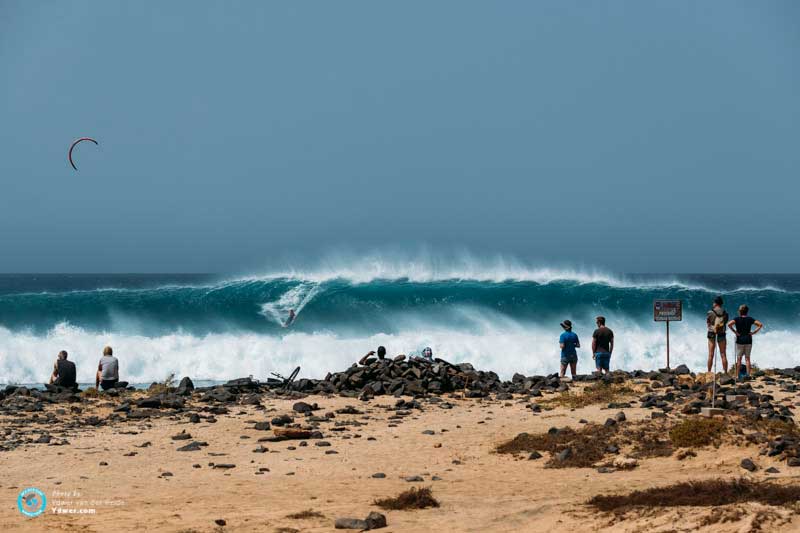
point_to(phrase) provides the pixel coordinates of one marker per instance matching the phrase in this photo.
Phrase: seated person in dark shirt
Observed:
(63, 372)
(381, 356)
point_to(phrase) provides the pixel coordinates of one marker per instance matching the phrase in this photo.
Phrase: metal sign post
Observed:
(668, 311)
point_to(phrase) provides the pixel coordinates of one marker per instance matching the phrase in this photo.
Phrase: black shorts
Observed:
(718, 336)
(108, 384)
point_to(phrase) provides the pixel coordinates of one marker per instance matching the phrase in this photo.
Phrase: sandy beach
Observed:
(129, 470)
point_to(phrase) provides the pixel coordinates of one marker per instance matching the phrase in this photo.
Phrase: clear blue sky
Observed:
(632, 136)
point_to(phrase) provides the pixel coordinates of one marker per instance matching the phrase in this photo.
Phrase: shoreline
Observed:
(183, 458)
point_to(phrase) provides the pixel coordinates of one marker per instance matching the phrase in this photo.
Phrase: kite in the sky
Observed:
(72, 147)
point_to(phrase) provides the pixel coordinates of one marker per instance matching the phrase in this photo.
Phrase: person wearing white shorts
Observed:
(741, 326)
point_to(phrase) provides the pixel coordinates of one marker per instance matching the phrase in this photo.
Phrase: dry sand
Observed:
(479, 490)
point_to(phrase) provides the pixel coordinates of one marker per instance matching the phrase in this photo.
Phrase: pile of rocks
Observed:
(15, 398)
(679, 389)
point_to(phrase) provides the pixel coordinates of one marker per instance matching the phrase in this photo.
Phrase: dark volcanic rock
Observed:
(303, 407)
(185, 387)
(748, 465)
(351, 523)
(192, 446)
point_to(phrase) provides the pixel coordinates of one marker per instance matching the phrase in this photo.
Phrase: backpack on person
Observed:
(719, 323)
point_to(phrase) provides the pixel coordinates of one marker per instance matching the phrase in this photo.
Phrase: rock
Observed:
(262, 426)
(606, 470)
(610, 422)
(182, 436)
(414, 479)
(303, 407)
(149, 403)
(681, 370)
(192, 447)
(748, 465)
(772, 470)
(292, 433)
(194, 418)
(185, 387)
(379, 475)
(656, 414)
(322, 443)
(620, 417)
(375, 520)
(625, 463)
(261, 449)
(534, 455)
(350, 523)
(282, 420)
(564, 454)
(793, 461)
(224, 466)
(219, 521)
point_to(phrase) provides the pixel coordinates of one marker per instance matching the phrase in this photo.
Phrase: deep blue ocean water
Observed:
(213, 327)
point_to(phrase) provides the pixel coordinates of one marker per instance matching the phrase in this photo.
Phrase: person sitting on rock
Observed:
(426, 355)
(63, 372)
(381, 356)
(108, 370)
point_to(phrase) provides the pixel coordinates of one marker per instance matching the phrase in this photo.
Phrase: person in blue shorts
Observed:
(569, 343)
(602, 345)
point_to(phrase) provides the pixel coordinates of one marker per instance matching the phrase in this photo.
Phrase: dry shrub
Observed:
(648, 441)
(771, 427)
(596, 393)
(413, 498)
(588, 445)
(696, 431)
(91, 392)
(708, 493)
(722, 515)
(308, 513)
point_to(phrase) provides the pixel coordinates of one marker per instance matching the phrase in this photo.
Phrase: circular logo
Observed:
(31, 502)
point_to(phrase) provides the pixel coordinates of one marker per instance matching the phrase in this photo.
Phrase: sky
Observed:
(623, 135)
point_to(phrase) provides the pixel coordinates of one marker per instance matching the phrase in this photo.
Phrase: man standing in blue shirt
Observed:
(569, 355)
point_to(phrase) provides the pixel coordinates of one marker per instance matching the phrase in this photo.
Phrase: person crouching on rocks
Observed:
(569, 355)
(108, 370)
(381, 356)
(64, 372)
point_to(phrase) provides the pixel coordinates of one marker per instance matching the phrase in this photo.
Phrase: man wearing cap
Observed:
(569, 355)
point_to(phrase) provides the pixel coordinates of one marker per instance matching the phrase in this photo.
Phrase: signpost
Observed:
(668, 311)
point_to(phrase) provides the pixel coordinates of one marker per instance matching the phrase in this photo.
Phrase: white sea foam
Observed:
(428, 265)
(504, 346)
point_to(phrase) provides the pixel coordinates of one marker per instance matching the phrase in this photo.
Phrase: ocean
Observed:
(498, 317)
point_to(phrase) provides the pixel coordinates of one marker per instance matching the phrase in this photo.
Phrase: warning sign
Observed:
(667, 310)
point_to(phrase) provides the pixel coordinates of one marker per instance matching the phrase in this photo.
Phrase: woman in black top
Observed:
(741, 326)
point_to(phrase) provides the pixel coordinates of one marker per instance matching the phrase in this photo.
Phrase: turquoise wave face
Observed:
(198, 306)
